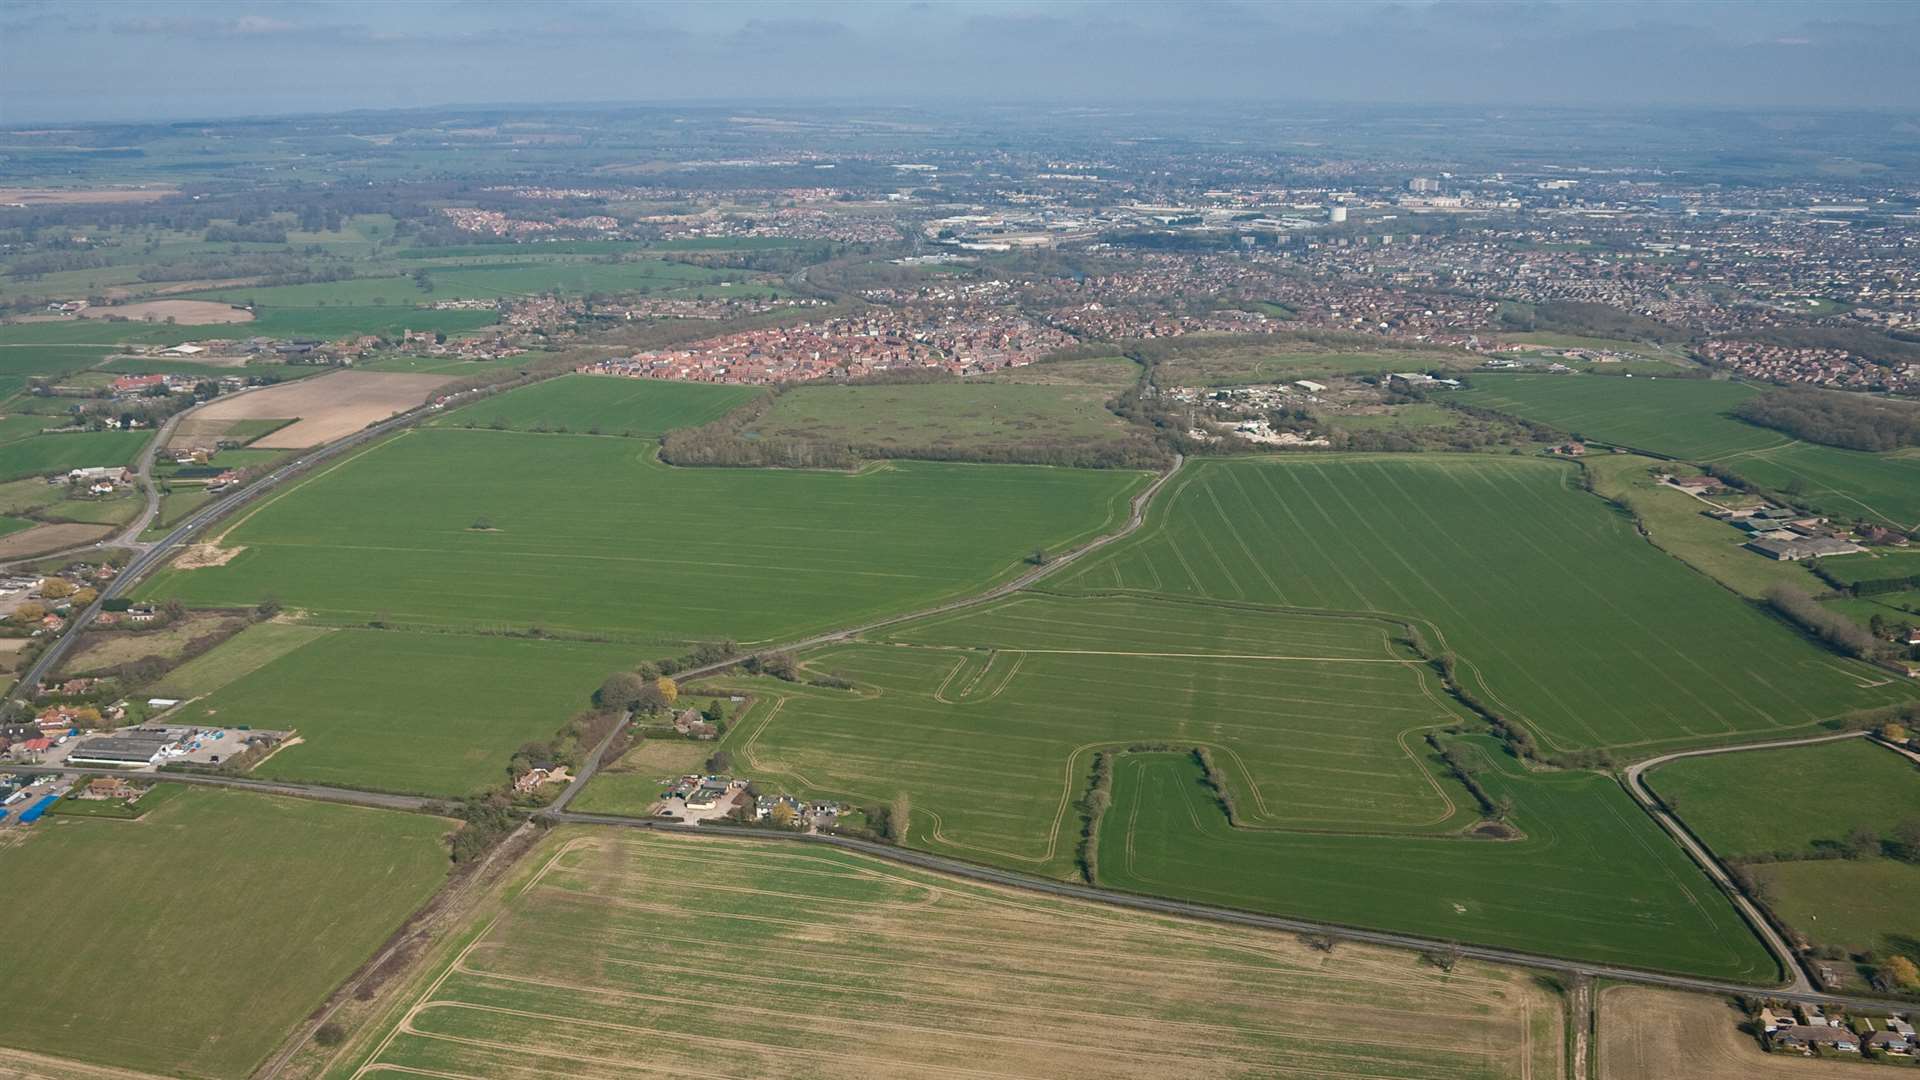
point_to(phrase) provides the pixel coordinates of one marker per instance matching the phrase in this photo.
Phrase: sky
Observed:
(79, 60)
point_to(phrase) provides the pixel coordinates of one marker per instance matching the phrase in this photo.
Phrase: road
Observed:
(380, 799)
(150, 556)
(1636, 783)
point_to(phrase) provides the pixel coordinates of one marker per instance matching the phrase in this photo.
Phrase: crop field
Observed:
(809, 962)
(1687, 418)
(1646, 1032)
(602, 404)
(594, 535)
(331, 321)
(946, 416)
(189, 942)
(17, 362)
(1559, 613)
(239, 655)
(1795, 800)
(327, 408)
(1591, 876)
(41, 455)
(496, 280)
(434, 714)
(989, 719)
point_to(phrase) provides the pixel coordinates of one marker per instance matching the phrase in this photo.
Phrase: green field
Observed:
(496, 280)
(602, 404)
(1318, 721)
(1235, 360)
(190, 942)
(624, 955)
(1593, 877)
(331, 321)
(1863, 905)
(1561, 615)
(239, 655)
(1678, 523)
(1791, 801)
(594, 535)
(1688, 419)
(43, 455)
(940, 418)
(435, 714)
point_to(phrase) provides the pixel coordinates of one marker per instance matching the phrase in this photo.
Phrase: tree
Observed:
(619, 691)
(57, 588)
(1903, 973)
(29, 613)
(483, 523)
(716, 711)
(1039, 557)
(719, 762)
(782, 815)
(1893, 732)
(1906, 841)
(669, 689)
(85, 596)
(1860, 842)
(330, 1034)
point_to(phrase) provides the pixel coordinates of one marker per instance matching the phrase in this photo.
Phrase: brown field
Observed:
(329, 406)
(44, 538)
(80, 196)
(1664, 1033)
(101, 649)
(10, 654)
(624, 955)
(186, 312)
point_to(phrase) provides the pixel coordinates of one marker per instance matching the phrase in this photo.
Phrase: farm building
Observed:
(138, 748)
(1793, 548)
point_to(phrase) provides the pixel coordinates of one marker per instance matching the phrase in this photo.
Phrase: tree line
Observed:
(1850, 421)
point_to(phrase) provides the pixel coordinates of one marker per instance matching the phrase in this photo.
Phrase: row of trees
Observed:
(1838, 631)
(1852, 421)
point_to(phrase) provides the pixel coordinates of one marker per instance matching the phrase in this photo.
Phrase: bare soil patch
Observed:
(199, 556)
(188, 312)
(44, 538)
(1646, 1032)
(10, 649)
(329, 406)
(82, 196)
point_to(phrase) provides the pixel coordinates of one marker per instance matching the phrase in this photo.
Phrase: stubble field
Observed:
(630, 955)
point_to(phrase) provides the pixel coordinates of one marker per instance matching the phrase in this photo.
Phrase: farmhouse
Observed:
(1785, 547)
(1805, 1038)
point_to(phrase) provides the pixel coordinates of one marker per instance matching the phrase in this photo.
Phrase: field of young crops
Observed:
(1688, 419)
(1591, 876)
(1558, 613)
(602, 404)
(434, 714)
(989, 719)
(190, 942)
(622, 954)
(575, 533)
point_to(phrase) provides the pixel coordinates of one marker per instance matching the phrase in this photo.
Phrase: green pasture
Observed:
(1242, 364)
(329, 322)
(47, 454)
(1559, 613)
(190, 942)
(1689, 419)
(434, 714)
(1863, 905)
(989, 720)
(595, 535)
(241, 654)
(1792, 801)
(495, 281)
(1592, 877)
(602, 404)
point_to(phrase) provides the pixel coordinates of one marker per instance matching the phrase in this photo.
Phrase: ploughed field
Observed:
(1558, 613)
(629, 955)
(580, 534)
(1689, 419)
(191, 941)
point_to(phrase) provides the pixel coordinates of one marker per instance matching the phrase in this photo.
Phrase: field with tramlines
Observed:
(1559, 614)
(573, 533)
(630, 955)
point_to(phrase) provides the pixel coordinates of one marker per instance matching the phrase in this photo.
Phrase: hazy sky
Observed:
(82, 59)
